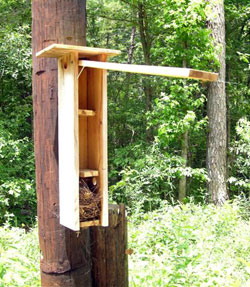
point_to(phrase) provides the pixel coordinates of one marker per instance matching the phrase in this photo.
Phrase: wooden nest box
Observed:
(82, 133)
(82, 128)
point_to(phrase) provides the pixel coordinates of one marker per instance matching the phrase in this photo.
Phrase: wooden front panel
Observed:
(68, 143)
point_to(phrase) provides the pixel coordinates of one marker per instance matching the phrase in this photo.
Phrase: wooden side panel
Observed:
(83, 149)
(97, 132)
(104, 132)
(68, 141)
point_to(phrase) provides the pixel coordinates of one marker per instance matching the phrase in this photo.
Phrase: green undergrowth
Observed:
(187, 245)
(191, 245)
(19, 258)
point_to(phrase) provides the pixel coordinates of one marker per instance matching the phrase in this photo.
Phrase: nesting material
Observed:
(90, 199)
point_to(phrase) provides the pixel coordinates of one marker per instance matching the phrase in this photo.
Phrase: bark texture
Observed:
(183, 179)
(217, 114)
(65, 255)
(132, 45)
(110, 261)
(146, 42)
(184, 152)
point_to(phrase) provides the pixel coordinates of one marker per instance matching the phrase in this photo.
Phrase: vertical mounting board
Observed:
(68, 142)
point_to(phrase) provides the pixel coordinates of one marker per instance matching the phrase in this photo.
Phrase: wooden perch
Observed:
(87, 113)
(152, 70)
(88, 173)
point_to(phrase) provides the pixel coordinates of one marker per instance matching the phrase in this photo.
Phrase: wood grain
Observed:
(97, 132)
(110, 261)
(86, 113)
(153, 70)
(83, 126)
(65, 258)
(88, 172)
(68, 141)
(59, 50)
(90, 223)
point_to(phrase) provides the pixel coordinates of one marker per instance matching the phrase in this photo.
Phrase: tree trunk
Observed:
(184, 152)
(109, 250)
(146, 47)
(184, 155)
(132, 45)
(229, 159)
(217, 137)
(65, 256)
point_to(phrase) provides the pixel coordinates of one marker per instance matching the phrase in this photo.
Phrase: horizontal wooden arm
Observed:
(153, 70)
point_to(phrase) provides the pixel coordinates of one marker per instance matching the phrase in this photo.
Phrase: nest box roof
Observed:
(58, 50)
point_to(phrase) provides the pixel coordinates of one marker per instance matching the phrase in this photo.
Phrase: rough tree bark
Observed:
(184, 155)
(146, 42)
(132, 45)
(110, 259)
(217, 114)
(184, 152)
(65, 256)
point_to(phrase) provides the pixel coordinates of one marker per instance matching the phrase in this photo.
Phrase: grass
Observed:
(191, 245)
(19, 258)
(187, 245)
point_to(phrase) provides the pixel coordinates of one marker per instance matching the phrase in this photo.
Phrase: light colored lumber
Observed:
(87, 113)
(88, 173)
(83, 121)
(59, 50)
(152, 70)
(104, 210)
(68, 143)
(85, 224)
(97, 138)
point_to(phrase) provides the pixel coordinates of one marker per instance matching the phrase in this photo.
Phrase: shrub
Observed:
(191, 245)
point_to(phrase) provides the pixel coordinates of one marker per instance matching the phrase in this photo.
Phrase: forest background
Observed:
(158, 127)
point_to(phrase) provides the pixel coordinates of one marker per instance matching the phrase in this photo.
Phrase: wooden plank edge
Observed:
(84, 224)
(152, 70)
(87, 113)
(203, 75)
(88, 173)
(46, 52)
(104, 203)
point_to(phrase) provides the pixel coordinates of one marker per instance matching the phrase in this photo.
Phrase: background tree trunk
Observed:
(184, 152)
(184, 155)
(132, 45)
(217, 137)
(65, 256)
(146, 42)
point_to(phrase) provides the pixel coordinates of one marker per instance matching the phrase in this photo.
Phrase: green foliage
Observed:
(191, 245)
(184, 245)
(177, 110)
(152, 178)
(184, 35)
(240, 178)
(19, 258)
(176, 34)
(17, 192)
(145, 130)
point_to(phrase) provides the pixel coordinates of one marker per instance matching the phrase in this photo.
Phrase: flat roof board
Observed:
(59, 50)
